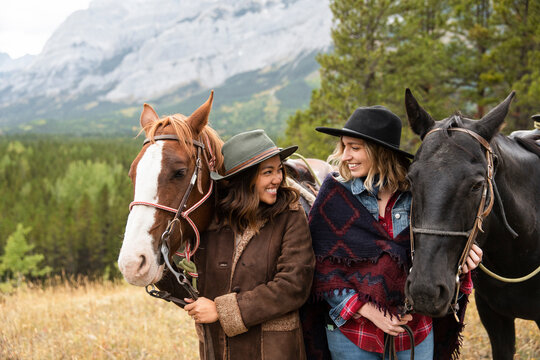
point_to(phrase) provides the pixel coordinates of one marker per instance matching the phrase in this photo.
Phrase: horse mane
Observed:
(453, 121)
(184, 131)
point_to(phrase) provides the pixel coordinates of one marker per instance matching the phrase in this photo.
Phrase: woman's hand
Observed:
(203, 310)
(474, 258)
(389, 325)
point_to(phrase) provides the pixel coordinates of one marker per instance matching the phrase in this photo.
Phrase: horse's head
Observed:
(161, 174)
(448, 177)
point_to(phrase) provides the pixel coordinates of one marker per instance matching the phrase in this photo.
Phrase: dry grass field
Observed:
(119, 321)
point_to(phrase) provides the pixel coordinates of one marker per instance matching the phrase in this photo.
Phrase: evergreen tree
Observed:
(462, 55)
(17, 261)
(474, 34)
(351, 75)
(517, 55)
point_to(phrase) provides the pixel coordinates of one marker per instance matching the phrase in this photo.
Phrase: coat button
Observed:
(236, 289)
(397, 216)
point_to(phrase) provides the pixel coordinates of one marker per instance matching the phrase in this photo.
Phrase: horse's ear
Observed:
(148, 116)
(419, 120)
(491, 123)
(199, 119)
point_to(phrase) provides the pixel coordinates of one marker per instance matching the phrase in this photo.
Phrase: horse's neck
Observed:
(517, 179)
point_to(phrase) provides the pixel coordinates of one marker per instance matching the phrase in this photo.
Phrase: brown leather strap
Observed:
(389, 344)
(172, 137)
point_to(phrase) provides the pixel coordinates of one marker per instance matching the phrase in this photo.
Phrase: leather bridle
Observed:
(181, 214)
(482, 212)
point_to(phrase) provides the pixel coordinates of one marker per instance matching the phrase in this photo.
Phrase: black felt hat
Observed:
(373, 123)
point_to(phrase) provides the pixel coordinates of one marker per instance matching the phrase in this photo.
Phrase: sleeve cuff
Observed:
(229, 315)
(351, 307)
(342, 301)
(466, 284)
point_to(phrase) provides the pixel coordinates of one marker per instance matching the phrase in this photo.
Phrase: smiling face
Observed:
(355, 156)
(269, 176)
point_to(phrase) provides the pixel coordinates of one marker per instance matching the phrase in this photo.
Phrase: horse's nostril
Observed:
(443, 292)
(407, 286)
(143, 262)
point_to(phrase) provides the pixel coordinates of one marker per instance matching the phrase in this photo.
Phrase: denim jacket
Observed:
(400, 221)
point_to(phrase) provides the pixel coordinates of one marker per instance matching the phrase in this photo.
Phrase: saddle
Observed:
(300, 178)
(529, 139)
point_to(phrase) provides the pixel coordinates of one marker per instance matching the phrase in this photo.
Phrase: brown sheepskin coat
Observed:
(258, 286)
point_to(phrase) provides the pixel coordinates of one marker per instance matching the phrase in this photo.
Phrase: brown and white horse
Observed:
(178, 154)
(171, 179)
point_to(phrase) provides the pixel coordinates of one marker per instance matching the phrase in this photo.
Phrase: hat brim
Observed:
(283, 154)
(356, 134)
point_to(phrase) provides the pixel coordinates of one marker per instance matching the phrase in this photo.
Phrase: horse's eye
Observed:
(179, 173)
(478, 186)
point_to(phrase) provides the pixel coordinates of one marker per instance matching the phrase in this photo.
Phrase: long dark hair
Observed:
(239, 206)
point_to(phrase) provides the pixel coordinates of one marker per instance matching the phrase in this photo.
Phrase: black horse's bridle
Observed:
(490, 188)
(483, 211)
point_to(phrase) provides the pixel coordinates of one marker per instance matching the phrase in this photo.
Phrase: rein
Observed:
(483, 211)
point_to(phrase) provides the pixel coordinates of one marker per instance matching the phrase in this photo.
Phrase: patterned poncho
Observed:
(348, 243)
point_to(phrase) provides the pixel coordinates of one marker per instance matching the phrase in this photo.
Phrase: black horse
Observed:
(448, 177)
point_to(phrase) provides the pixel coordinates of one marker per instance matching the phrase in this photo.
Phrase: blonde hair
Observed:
(389, 165)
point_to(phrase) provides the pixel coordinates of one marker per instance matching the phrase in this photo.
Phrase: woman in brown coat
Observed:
(255, 261)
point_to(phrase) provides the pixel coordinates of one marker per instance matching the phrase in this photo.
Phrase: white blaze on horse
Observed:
(177, 156)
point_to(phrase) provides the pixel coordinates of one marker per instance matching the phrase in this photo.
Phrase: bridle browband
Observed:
(483, 211)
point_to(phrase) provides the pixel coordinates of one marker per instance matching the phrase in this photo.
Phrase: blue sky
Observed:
(25, 25)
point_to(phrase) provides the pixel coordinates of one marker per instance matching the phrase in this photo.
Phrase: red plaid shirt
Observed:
(367, 335)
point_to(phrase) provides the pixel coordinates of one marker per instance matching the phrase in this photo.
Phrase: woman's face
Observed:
(355, 156)
(268, 178)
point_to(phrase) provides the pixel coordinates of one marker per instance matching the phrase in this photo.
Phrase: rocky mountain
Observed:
(102, 63)
(9, 64)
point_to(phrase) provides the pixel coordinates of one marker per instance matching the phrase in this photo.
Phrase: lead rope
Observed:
(390, 345)
(317, 180)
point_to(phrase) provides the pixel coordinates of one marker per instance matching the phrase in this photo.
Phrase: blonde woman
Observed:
(360, 229)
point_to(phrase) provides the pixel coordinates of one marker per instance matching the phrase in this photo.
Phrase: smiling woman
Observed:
(255, 260)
